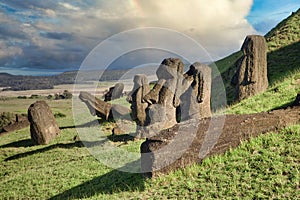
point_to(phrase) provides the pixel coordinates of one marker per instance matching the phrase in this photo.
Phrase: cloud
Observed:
(69, 6)
(49, 34)
(57, 36)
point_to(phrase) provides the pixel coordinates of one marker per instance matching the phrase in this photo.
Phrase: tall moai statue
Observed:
(163, 99)
(196, 87)
(251, 76)
(138, 105)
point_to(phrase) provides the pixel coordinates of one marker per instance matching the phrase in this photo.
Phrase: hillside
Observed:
(19, 82)
(283, 54)
(266, 167)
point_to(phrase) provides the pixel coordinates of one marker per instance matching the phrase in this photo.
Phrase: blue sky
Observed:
(54, 36)
(265, 14)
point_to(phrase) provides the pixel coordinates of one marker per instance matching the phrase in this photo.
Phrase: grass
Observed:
(279, 95)
(265, 167)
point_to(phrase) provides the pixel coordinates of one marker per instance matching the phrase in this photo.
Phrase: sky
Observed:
(46, 37)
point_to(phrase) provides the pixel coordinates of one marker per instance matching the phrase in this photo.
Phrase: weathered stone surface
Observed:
(191, 141)
(195, 100)
(114, 92)
(251, 76)
(136, 98)
(95, 105)
(165, 95)
(103, 109)
(20, 122)
(43, 126)
(153, 96)
(119, 112)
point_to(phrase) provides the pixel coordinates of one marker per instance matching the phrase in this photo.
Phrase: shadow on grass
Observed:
(65, 146)
(20, 143)
(121, 138)
(96, 122)
(115, 181)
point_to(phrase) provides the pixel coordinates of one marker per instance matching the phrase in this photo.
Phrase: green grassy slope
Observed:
(283, 54)
(266, 167)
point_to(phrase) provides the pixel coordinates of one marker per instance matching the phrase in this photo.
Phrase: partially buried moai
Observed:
(175, 97)
(251, 76)
(163, 99)
(138, 105)
(196, 87)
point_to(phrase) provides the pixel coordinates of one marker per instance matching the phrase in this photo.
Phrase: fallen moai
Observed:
(19, 123)
(43, 126)
(251, 76)
(103, 109)
(191, 141)
(95, 105)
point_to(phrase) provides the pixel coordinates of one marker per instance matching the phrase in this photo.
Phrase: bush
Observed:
(59, 115)
(34, 96)
(22, 97)
(65, 95)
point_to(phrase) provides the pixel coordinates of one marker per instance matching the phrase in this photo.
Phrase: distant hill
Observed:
(18, 82)
(283, 55)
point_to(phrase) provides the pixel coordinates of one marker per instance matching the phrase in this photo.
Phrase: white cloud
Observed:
(219, 25)
(69, 6)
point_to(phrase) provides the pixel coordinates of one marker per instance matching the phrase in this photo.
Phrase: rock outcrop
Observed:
(43, 126)
(251, 76)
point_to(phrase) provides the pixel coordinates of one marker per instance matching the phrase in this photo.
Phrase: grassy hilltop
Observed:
(265, 167)
(283, 54)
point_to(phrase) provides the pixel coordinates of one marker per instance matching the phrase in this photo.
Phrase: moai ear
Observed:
(200, 91)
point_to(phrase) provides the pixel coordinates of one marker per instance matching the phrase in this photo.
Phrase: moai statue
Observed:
(163, 99)
(251, 76)
(196, 87)
(114, 92)
(138, 105)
